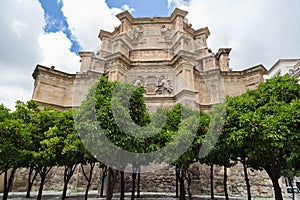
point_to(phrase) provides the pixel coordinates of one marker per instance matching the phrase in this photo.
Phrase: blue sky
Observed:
(138, 8)
(51, 32)
(58, 21)
(143, 8)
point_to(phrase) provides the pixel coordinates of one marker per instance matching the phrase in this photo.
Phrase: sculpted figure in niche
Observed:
(164, 86)
(139, 81)
(165, 32)
(138, 34)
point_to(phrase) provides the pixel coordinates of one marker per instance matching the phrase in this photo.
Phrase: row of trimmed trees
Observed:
(39, 140)
(260, 129)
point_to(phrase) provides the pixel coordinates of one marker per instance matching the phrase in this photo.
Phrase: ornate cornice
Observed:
(40, 69)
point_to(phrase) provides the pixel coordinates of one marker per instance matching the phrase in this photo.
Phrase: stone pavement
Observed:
(93, 195)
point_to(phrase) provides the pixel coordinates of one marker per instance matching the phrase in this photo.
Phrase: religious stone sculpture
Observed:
(139, 81)
(164, 86)
(137, 34)
(165, 33)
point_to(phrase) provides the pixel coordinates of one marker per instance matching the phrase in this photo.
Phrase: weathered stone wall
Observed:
(54, 180)
(53, 87)
(163, 180)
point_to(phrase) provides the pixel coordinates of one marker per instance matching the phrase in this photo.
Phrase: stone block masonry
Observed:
(160, 181)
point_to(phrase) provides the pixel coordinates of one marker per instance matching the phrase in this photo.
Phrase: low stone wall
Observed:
(163, 180)
(54, 180)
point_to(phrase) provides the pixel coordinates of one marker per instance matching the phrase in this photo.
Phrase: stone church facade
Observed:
(165, 55)
(172, 61)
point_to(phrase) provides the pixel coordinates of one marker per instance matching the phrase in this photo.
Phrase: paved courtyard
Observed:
(93, 195)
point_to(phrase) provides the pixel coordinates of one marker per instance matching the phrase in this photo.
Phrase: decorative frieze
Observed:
(154, 85)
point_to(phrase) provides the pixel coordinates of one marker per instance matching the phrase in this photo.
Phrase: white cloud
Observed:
(56, 52)
(18, 27)
(24, 45)
(257, 31)
(129, 9)
(178, 3)
(21, 24)
(85, 20)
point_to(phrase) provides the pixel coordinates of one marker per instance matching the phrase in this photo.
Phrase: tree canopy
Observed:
(264, 126)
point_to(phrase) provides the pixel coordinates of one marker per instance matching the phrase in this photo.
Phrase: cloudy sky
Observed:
(51, 32)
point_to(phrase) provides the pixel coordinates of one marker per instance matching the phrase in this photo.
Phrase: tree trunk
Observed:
(273, 170)
(177, 180)
(277, 189)
(189, 182)
(225, 183)
(122, 194)
(43, 178)
(110, 184)
(182, 189)
(11, 178)
(212, 195)
(43, 175)
(102, 180)
(247, 180)
(8, 183)
(139, 185)
(65, 188)
(86, 194)
(30, 181)
(133, 185)
(69, 171)
(5, 189)
(88, 178)
(274, 175)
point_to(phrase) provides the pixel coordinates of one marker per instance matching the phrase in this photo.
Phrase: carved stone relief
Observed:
(139, 81)
(165, 33)
(137, 35)
(151, 85)
(164, 86)
(154, 85)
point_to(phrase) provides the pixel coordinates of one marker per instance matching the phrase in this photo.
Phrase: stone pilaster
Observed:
(184, 87)
(116, 70)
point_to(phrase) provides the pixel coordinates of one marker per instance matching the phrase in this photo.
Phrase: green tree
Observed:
(105, 101)
(67, 146)
(183, 123)
(235, 107)
(28, 113)
(266, 125)
(91, 161)
(12, 149)
(220, 150)
(44, 155)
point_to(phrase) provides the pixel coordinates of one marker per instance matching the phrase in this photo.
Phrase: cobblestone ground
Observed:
(93, 195)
